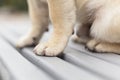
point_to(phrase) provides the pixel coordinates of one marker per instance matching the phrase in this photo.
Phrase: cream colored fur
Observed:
(98, 20)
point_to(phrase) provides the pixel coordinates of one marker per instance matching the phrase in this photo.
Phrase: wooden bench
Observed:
(76, 63)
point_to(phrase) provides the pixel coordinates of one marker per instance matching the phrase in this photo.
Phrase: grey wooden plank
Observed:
(111, 58)
(100, 67)
(108, 57)
(55, 66)
(18, 66)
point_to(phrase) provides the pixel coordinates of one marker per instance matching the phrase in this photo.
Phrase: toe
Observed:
(92, 44)
(47, 50)
(52, 51)
(100, 48)
(40, 49)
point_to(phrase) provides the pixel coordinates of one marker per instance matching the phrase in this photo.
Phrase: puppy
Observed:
(98, 25)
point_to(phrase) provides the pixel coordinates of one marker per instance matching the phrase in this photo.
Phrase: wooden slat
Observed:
(59, 68)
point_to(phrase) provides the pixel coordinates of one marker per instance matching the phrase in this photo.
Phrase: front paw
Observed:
(26, 41)
(49, 49)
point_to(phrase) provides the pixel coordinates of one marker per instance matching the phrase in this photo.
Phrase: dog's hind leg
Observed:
(106, 32)
(106, 47)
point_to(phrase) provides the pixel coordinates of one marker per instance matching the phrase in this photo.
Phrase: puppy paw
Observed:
(26, 41)
(49, 49)
(103, 47)
(91, 45)
(99, 47)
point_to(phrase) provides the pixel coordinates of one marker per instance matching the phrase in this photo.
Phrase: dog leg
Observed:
(105, 32)
(39, 15)
(63, 18)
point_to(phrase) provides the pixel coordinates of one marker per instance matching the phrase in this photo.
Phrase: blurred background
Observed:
(13, 5)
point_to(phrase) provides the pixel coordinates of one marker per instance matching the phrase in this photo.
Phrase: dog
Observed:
(98, 25)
